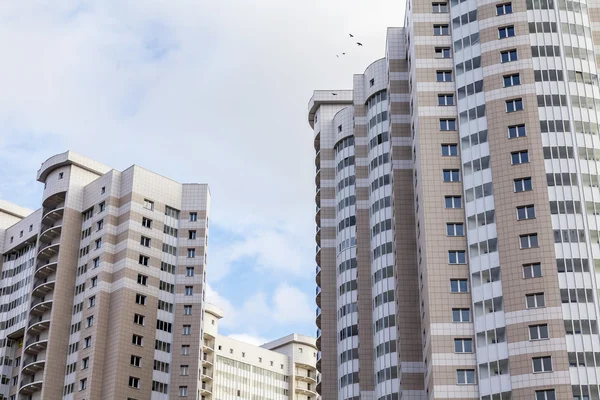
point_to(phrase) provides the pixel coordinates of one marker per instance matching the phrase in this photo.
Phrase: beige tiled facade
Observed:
(490, 141)
(103, 286)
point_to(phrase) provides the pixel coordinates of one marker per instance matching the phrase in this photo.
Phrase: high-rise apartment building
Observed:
(284, 369)
(102, 288)
(458, 208)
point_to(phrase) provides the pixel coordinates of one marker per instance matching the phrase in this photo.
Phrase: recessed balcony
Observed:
(38, 325)
(49, 250)
(35, 345)
(51, 233)
(306, 391)
(41, 305)
(31, 365)
(42, 287)
(29, 387)
(45, 268)
(318, 196)
(53, 215)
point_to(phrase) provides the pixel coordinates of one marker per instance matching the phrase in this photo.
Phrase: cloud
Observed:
(255, 340)
(291, 305)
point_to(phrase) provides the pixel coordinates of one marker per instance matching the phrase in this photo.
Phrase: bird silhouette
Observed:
(351, 35)
(334, 94)
(343, 54)
(337, 55)
(359, 44)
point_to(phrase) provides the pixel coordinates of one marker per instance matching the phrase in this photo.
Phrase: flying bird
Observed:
(337, 55)
(334, 94)
(343, 54)
(359, 44)
(351, 35)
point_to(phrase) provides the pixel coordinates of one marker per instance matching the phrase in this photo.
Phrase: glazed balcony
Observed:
(41, 287)
(41, 305)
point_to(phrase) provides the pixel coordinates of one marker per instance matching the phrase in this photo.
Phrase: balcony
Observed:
(318, 235)
(318, 297)
(206, 376)
(318, 318)
(318, 179)
(41, 305)
(318, 217)
(30, 386)
(42, 287)
(45, 268)
(308, 391)
(306, 377)
(38, 325)
(318, 196)
(206, 360)
(53, 215)
(317, 142)
(31, 365)
(206, 388)
(318, 276)
(52, 232)
(48, 251)
(208, 346)
(318, 343)
(35, 345)
(318, 255)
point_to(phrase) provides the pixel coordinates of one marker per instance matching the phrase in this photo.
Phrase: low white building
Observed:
(283, 369)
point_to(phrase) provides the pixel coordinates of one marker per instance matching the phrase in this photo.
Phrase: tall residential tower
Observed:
(102, 287)
(458, 208)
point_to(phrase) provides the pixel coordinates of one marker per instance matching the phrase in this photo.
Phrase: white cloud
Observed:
(255, 340)
(291, 305)
(215, 298)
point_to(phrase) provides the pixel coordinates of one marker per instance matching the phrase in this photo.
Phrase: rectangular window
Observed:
(523, 185)
(146, 222)
(532, 270)
(185, 350)
(542, 364)
(83, 384)
(441, 30)
(459, 286)
(444, 76)
(451, 175)
(94, 282)
(184, 370)
(145, 241)
(455, 229)
(463, 345)
(187, 330)
(508, 56)
(514, 105)
(96, 262)
(449, 150)
(89, 322)
(538, 332)
(453, 202)
(439, 8)
(465, 377)
(144, 260)
(548, 394)
(187, 310)
(148, 204)
(85, 363)
(536, 300)
(138, 319)
(191, 235)
(519, 157)
(193, 217)
(134, 382)
(516, 131)
(137, 340)
(98, 243)
(136, 361)
(445, 99)
(140, 299)
(526, 212)
(189, 290)
(191, 253)
(142, 279)
(457, 257)
(102, 206)
(87, 342)
(92, 301)
(183, 391)
(503, 9)
(447, 124)
(529, 241)
(100, 225)
(506, 32)
(442, 52)
(189, 271)
(512, 80)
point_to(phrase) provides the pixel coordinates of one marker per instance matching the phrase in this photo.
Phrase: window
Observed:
(189, 271)
(144, 260)
(145, 241)
(503, 9)
(89, 322)
(137, 340)
(185, 350)
(193, 217)
(514, 105)
(103, 190)
(191, 235)
(100, 224)
(96, 262)
(455, 229)
(535, 300)
(85, 363)
(92, 301)
(459, 286)
(542, 364)
(549, 394)
(449, 150)
(98, 243)
(461, 315)
(453, 202)
(140, 299)
(61, 175)
(439, 8)
(529, 241)
(134, 382)
(538, 332)
(512, 80)
(187, 329)
(94, 281)
(519, 157)
(441, 30)
(457, 257)
(525, 212)
(465, 377)
(463, 345)
(523, 185)
(508, 56)
(138, 319)
(136, 361)
(451, 175)
(146, 222)
(142, 280)
(189, 290)
(516, 131)
(148, 204)
(183, 391)
(445, 99)
(444, 76)
(87, 342)
(442, 52)
(102, 206)
(371, 84)
(184, 370)
(447, 124)
(187, 310)
(82, 382)
(506, 31)
(191, 253)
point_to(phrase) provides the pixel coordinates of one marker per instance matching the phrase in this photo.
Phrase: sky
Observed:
(200, 91)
